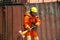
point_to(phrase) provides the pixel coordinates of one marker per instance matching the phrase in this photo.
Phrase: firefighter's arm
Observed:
(38, 21)
(26, 21)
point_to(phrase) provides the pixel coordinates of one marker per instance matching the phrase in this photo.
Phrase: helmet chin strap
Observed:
(32, 14)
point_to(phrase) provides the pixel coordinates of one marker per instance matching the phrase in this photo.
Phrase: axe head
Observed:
(21, 33)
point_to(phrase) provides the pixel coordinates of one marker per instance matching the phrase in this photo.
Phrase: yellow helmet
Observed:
(34, 9)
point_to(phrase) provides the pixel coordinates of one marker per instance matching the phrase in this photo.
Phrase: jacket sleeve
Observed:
(38, 21)
(26, 21)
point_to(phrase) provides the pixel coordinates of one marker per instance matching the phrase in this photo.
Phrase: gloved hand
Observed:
(34, 27)
(27, 27)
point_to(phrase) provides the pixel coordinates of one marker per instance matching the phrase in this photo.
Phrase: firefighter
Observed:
(30, 20)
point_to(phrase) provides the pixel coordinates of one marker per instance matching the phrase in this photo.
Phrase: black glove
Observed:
(34, 27)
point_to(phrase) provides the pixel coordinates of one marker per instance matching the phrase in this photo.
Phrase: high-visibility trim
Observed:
(36, 38)
(38, 23)
(27, 26)
(28, 37)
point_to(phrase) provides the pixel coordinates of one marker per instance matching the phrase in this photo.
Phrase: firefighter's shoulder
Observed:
(27, 13)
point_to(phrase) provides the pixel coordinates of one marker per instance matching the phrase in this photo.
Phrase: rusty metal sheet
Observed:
(0, 19)
(0, 22)
(23, 1)
(18, 13)
(8, 11)
(14, 21)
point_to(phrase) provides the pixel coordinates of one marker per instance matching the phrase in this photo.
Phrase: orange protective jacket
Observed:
(28, 19)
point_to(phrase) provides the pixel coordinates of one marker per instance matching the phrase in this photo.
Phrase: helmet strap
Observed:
(31, 13)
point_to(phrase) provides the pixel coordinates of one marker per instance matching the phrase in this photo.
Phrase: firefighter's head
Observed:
(33, 11)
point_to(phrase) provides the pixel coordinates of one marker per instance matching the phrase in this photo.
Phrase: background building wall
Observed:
(41, 1)
(0, 23)
(15, 21)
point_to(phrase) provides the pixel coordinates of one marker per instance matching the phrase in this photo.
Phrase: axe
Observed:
(24, 32)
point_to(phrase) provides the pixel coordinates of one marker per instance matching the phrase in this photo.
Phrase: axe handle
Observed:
(24, 32)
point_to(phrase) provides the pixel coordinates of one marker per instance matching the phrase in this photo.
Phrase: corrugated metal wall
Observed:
(18, 16)
(0, 23)
(14, 21)
(11, 21)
